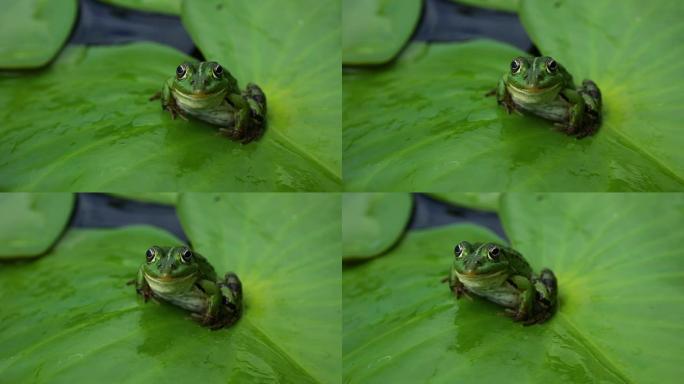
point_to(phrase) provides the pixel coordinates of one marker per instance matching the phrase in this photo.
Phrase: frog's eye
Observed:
(515, 66)
(551, 66)
(218, 71)
(186, 256)
(150, 254)
(458, 250)
(493, 253)
(181, 71)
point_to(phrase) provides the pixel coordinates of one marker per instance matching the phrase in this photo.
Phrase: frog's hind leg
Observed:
(257, 104)
(231, 289)
(592, 99)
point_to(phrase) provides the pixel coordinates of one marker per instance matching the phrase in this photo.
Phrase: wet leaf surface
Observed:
(424, 124)
(31, 223)
(619, 267)
(86, 123)
(374, 31)
(293, 53)
(33, 31)
(373, 222)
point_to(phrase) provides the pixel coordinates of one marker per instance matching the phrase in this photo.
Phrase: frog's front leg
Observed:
(503, 97)
(141, 286)
(168, 102)
(455, 285)
(527, 292)
(576, 111)
(212, 315)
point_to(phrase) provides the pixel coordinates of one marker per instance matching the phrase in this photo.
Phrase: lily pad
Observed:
(372, 222)
(425, 124)
(481, 201)
(293, 53)
(31, 222)
(374, 31)
(33, 31)
(56, 135)
(501, 5)
(286, 249)
(164, 6)
(401, 322)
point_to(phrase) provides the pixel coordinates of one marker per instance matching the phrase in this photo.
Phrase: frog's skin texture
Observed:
(184, 278)
(208, 92)
(540, 86)
(501, 275)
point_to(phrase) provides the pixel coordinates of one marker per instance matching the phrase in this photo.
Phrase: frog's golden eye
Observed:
(217, 71)
(181, 71)
(515, 66)
(186, 256)
(493, 253)
(150, 255)
(551, 66)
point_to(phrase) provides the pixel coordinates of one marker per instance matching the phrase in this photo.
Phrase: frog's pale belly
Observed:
(192, 300)
(221, 114)
(493, 288)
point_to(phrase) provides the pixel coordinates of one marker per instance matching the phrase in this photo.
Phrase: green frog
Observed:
(184, 278)
(501, 275)
(543, 87)
(208, 92)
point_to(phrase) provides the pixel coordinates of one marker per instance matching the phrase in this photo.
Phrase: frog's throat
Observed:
(170, 284)
(198, 100)
(473, 280)
(532, 94)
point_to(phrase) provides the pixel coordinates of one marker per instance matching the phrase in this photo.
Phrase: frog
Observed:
(542, 87)
(184, 278)
(501, 275)
(208, 92)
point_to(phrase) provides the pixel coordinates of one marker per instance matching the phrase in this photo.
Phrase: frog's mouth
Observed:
(163, 280)
(200, 95)
(473, 279)
(534, 90)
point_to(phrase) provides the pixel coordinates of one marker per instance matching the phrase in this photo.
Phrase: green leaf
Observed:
(431, 128)
(373, 222)
(374, 31)
(618, 264)
(293, 53)
(633, 51)
(285, 248)
(31, 222)
(57, 135)
(501, 5)
(166, 198)
(480, 201)
(164, 6)
(33, 31)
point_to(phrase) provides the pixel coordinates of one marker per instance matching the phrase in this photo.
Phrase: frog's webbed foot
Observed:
(243, 136)
(156, 96)
(491, 92)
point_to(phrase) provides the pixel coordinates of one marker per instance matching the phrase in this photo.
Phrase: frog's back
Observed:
(208, 272)
(519, 265)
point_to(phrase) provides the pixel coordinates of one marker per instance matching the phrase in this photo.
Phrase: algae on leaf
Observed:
(30, 223)
(33, 31)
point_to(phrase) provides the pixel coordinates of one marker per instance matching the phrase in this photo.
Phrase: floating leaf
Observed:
(425, 124)
(164, 6)
(293, 53)
(33, 31)
(57, 135)
(31, 222)
(286, 250)
(374, 31)
(372, 222)
(480, 201)
(401, 323)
